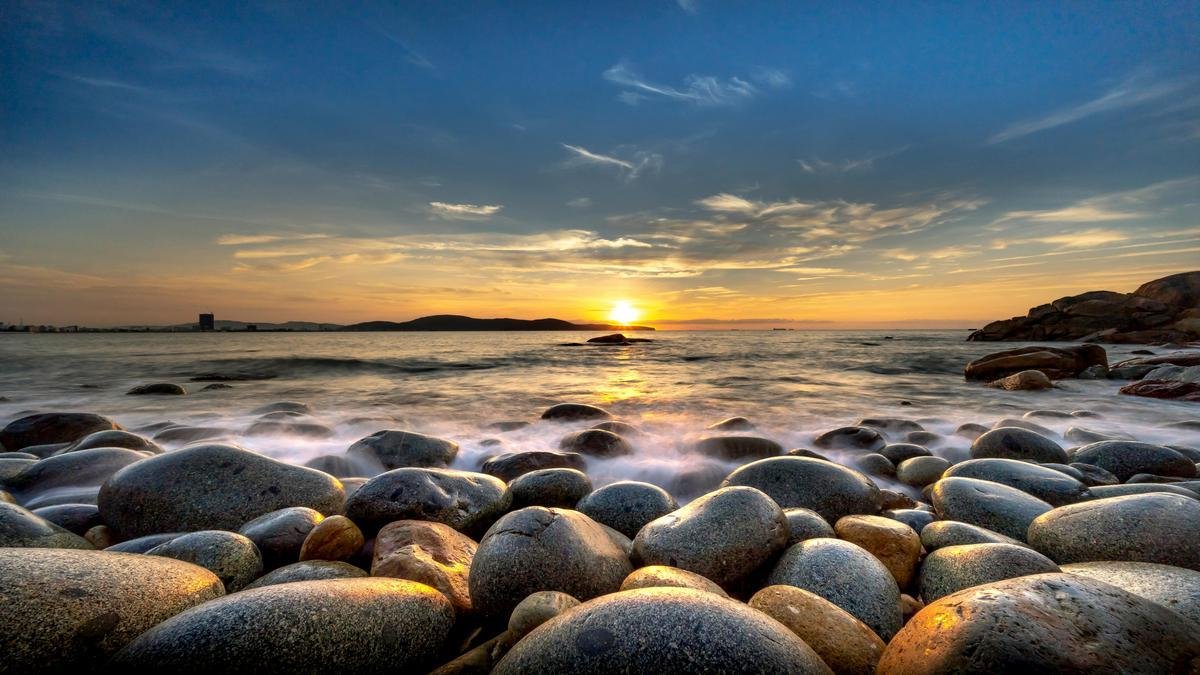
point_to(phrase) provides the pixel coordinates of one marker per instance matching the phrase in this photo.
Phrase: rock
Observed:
(75, 518)
(343, 625)
(1084, 436)
(1018, 443)
(278, 535)
(1054, 362)
(189, 434)
(924, 438)
(724, 535)
(157, 389)
(696, 478)
(468, 502)
(943, 533)
(114, 438)
(510, 465)
(874, 464)
(1134, 372)
(334, 538)
(806, 524)
(537, 609)
(1154, 528)
(829, 489)
(430, 553)
(660, 576)
(1179, 391)
(661, 630)
(394, 449)
(1176, 290)
(613, 339)
(508, 425)
(890, 425)
(994, 506)
(1048, 485)
(1027, 380)
(71, 478)
(233, 558)
(896, 500)
(1175, 588)
(283, 407)
(1123, 459)
(216, 386)
(11, 467)
(68, 611)
(898, 452)
(44, 428)
(549, 487)
(1094, 476)
(540, 549)
(893, 543)
(596, 443)
(1106, 491)
(844, 643)
(209, 487)
(288, 428)
(343, 466)
(971, 430)
(917, 519)
(822, 566)
(950, 569)
(851, 438)
(921, 471)
(570, 412)
(143, 544)
(1053, 623)
(618, 427)
(732, 424)
(19, 528)
(99, 536)
(308, 570)
(626, 506)
(738, 448)
(1096, 372)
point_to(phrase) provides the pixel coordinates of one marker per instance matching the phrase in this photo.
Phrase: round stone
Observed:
(1172, 587)
(157, 389)
(71, 478)
(537, 609)
(1052, 487)
(309, 570)
(844, 643)
(851, 438)
(831, 490)
(898, 452)
(1123, 459)
(45, 428)
(549, 487)
(232, 557)
(941, 533)
(874, 464)
(994, 506)
(334, 538)
(921, 471)
(434, 554)
(1017, 443)
(626, 506)
(738, 448)
(510, 465)
(596, 443)
(468, 502)
(917, 519)
(395, 449)
(732, 424)
(568, 412)
(20, 528)
(659, 576)
(115, 438)
(618, 427)
(806, 524)
(280, 534)
(76, 518)
(893, 543)
(952, 568)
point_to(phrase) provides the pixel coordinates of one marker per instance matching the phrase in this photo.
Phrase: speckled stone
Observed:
(309, 570)
(233, 558)
(831, 490)
(562, 488)
(652, 631)
(395, 449)
(143, 544)
(893, 543)
(739, 448)
(921, 471)
(994, 506)
(509, 465)
(806, 524)
(77, 518)
(334, 538)
(537, 609)
(1047, 623)
(1172, 587)
(659, 576)
(941, 533)
(1053, 487)
(626, 506)
(952, 568)
(280, 534)
(898, 452)
(467, 501)
(1123, 459)
(431, 553)
(847, 645)
(725, 536)
(339, 625)
(1017, 443)
(46, 428)
(851, 438)
(20, 528)
(874, 464)
(826, 566)
(71, 478)
(68, 611)
(917, 519)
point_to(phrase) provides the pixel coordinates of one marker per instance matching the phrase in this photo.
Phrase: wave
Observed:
(300, 366)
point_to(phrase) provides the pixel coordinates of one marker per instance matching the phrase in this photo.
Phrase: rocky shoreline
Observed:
(1036, 551)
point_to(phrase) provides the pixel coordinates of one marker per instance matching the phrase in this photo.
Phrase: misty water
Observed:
(792, 384)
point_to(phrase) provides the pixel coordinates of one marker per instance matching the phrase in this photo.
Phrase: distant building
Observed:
(207, 322)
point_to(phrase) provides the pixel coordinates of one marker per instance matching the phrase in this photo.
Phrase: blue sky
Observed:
(842, 163)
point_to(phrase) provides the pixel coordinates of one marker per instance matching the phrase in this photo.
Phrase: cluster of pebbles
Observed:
(1027, 556)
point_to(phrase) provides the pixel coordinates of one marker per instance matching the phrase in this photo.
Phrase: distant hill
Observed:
(228, 324)
(454, 322)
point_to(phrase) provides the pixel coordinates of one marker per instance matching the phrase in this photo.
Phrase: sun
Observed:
(624, 313)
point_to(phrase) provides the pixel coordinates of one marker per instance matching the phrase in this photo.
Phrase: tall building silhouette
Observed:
(207, 322)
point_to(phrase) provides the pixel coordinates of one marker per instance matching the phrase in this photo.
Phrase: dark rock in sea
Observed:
(334, 538)
(561, 488)
(851, 438)
(994, 506)
(76, 518)
(950, 569)
(829, 489)
(893, 543)
(1053, 623)
(309, 570)
(732, 424)
(288, 428)
(210, 487)
(540, 549)
(1123, 459)
(596, 443)
(917, 519)
(724, 536)
(1052, 487)
(395, 449)
(344, 625)
(143, 544)
(1017, 443)
(233, 558)
(230, 377)
(190, 434)
(508, 425)
(216, 386)
(874, 464)
(1155, 528)
(822, 566)
(738, 448)
(663, 576)
(1173, 390)
(971, 430)
(340, 466)
(1175, 588)
(565, 412)
(469, 502)
(898, 452)
(429, 553)
(20, 528)
(510, 465)
(943, 533)
(71, 478)
(1055, 362)
(45, 428)
(157, 389)
(114, 438)
(618, 427)
(283, 406)
(69, 611)
(893, 426)
(921, 471)
(278, 535)
(626, 506)
(612, 339)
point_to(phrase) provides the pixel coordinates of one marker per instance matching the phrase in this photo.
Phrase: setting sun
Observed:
(624, 313)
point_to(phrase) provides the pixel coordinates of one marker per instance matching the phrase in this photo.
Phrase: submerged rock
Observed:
(732, 424)
(851, 438)
(114, 438)
(1025, 380)
(596, 443)
(157, 389)
(738, 447)
(567, 412)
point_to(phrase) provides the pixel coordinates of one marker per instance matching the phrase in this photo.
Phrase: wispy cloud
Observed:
(580, 202)
(104, 83)
(1113, 206)
(243, 239)
(818, 165)
(629, 169)
(464, 211)
(704, 90)
(688, 6)
(1133, 91)
(410, 55)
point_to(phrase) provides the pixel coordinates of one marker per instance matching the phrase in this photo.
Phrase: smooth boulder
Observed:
(1053, 487)
(1124, 459)
(738, 448)
(596, 443)
(893, 543)
(1175, 588)
(950, 569)
(430, 553)
(466, 501)
(847, 645)
(509, 465)
(549, 487)
(309, 570)
(994, 506)
(569, 412)
(1017, 443)
(280, 534)
(21, 528)
(626, 506)
(233, 558)
(831, 490)
(395, 449)
(46, 428)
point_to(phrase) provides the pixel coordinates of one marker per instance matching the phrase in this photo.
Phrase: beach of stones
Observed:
(1039, 552)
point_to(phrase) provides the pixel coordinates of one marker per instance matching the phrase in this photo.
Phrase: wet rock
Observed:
(596, 443)
(1171, 390)
(284, 407)
(626, 506)
(510, 465)
(921, 471)
(724, 536)
(874, 464)
(114, 438)
(143, 544)
(1043, 623)
(1052, 487)
(738, 447)
(399, 449)
(1155, 528)
(898, 452)
(537, 609)
(1028, 425)
(994, 506)
(893, 543)
(618, 427)
(233, 558)
(308, 570)
(468, 502)
(508, 425)
(11, 467)
(210, 487)
(1084, 436)
(1175, 588)
(950, 569)
(851, 438)
(100, 536)
(20, 528)
(569, 412)
(71, 478)
(732, 424)
(829, 489)
(334, 538)
(806, 524)
(914, 518)
(338, 466)
(1094, 476)
(822, 566)
(215, 386)
(157, 389)
(190, 434)
(430, 553)
(1017, 443)
(971, 430)
(1106, 491)
(288, 428)
(68, 611)
(44, 428)
(1054, 362)
(663, 576)
(540, 549)
(896, 500)
(1123, 459)
(844, 643)
(661, 630)
(894, 426)
(1026, 380)
(76, 518)
(278, 535)
(924, 438)
(348, 625)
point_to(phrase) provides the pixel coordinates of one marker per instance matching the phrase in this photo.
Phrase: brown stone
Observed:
(1054, 362)
(537, 609)
(895, 544)
(658, 576)
(844, 643)
(100, 536)
(432, 553)
(335, 538)
(1026, 380)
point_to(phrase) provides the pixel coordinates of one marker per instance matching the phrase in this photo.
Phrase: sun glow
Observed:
(624, 313)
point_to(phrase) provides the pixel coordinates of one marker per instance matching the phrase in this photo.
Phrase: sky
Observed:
(711, 164)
